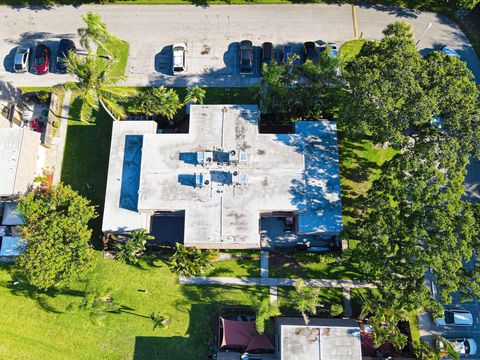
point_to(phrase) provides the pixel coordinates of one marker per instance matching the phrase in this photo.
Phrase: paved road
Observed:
(151, 30)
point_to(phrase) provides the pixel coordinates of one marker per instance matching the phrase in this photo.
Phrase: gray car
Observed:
(21, 59)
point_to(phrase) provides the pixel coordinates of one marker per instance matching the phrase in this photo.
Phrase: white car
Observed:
(179, 51)
(21, 59)
(455, 317)
(464, 347)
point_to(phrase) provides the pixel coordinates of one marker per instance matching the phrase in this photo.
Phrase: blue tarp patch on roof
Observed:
(323, 206)
(132, 160)
(11, 246)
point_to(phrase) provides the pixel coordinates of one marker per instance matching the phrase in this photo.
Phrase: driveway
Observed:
(212, 35)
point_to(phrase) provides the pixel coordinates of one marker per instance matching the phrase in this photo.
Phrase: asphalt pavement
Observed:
(212, 35)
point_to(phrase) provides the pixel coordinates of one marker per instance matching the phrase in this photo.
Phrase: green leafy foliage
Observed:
(97, 86)
(336, 310)
(265, 311)
(57, 237)
(384, 322)
(190, 261)
(134, 247)
(195, 95)
(95, 31)
(413, 218)
(305, 299)
(160, 320)
(305, 91)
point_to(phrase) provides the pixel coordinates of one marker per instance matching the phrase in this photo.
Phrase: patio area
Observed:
(280, 232)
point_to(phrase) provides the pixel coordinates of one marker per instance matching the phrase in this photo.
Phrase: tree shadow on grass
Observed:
(18, 286)
(85, 162)
(193, 345)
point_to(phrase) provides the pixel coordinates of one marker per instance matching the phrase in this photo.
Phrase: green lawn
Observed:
(235, 268)
(119, 49)
(315, 270)
(360, 165)
(85, 161)
(328, 297)
(46, 326)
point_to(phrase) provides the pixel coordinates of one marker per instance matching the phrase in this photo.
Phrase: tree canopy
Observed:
(57, 237)
(413, 218)
(97, 85)
(306, 91)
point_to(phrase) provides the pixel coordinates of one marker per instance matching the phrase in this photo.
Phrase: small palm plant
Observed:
(265, 311)
(195, 95)
(133, 247)
(160, 320)
(305, 299)
(384, 322)
(98, 304)
(190, 261)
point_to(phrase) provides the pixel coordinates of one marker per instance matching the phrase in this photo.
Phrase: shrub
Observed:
(190, 261)
(336, 310)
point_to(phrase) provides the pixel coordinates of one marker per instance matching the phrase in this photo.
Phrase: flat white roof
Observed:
(323, 339)
(224, 174)
(122, 177)
(220, 213)
(18, 159)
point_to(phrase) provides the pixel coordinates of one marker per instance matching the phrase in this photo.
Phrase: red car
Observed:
(41, 61)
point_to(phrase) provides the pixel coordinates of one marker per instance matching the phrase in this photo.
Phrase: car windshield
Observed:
(449, 317)
(40, 60)
(21, 51)
(178, 68)
(18, 66)
(178, 48)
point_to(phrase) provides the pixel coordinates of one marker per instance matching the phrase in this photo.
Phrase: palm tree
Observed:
(98, 304)
(195, 95)
(305, 299)
(95, 33)
(190, 261)
(169, 102)
(159, 320)
(265, 311)
(96, 86)
(384, 322)
(134, 246)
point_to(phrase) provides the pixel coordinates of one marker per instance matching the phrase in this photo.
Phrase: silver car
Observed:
(21, 59)
(179, 51)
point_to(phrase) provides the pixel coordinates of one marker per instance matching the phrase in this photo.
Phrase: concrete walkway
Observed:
(264, 264)
(62, 137)
(249, 281)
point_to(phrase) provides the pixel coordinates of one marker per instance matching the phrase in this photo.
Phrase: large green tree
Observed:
(413, 219)
(57, 236)
(306, 91)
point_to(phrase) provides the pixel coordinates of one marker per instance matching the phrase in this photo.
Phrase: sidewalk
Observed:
(249, 281)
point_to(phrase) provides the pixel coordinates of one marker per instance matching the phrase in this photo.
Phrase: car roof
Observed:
(66, 44)
(179, 45)
(449, 51)
(461, 317)
(267, 45)
(22, 48)
(18, 59)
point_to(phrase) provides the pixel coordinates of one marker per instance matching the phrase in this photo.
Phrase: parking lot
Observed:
(152, 30)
